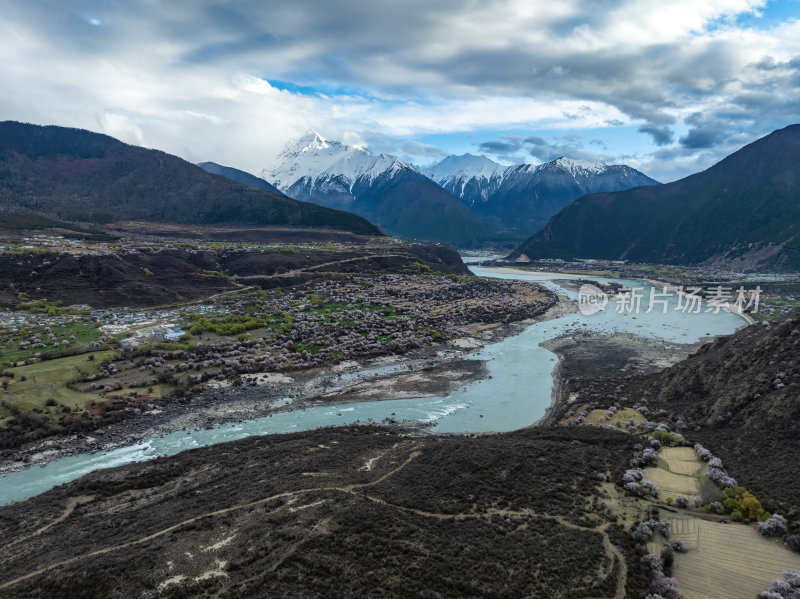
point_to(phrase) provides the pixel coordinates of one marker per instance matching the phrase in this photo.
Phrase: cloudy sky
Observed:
(667, 86)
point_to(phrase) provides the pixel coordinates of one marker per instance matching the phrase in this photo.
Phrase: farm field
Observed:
(681, 460)
(726, 561)
(598, 417)
(32, 385)
(676, 473)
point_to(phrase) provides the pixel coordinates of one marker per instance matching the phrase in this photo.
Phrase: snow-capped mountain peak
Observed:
(310, 141)
(306, 156)
(312, 157)
(380, 187)
(309, 138)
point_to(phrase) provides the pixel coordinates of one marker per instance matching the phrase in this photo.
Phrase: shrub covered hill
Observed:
(740, 398)
(78, 176)
(744, 210)
(339, 513)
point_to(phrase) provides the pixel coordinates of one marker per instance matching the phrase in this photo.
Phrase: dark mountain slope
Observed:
(411, 204)
(400, 200)
(746, 207)
(236, 175)
(743, 392)
(76, 175)
(149, 278)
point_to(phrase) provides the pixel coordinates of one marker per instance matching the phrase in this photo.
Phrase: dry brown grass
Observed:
(681, 460)
(671, 484)
(677, 472)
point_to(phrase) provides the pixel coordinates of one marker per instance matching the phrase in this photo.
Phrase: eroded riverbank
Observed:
(584, 357)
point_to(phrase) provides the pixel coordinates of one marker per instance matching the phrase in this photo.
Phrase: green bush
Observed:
(741, 504)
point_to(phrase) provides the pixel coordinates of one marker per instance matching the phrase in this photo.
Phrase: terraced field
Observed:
(598, 417)
(673, 485)
(726, 561)
(677, 472)
(681, 460)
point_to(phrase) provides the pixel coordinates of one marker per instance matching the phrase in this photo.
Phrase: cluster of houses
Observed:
(168, 332)
(13, 321)
(142, 327)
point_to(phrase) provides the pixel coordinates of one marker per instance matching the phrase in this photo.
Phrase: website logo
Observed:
(591, 299)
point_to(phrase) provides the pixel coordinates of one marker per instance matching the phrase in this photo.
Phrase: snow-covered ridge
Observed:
(480, 182)
(312, 156)
(464, 166)
(468, 166)
(579, 167)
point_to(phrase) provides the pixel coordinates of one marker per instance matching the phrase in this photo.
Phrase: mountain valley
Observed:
(305, 393)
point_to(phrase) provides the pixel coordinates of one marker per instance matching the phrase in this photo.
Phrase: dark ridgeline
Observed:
(237, 175)
(746, 208)
(79, 176)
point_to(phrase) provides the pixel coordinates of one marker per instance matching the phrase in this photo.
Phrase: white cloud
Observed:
(189, 79)
(121, 127)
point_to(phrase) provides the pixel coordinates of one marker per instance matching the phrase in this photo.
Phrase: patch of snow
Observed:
(580, 167)
(220, 544)
(172, 580)
(219, 572)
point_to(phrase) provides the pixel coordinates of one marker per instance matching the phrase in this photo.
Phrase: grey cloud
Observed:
(673, 152)
(768, 63)
(415, 148)
(221, 50)
(722, 130)
(662, 136)
(535, 141)
(344, 42)
(502, 147)
(569, 145)
(394, 50)
(702, 137)
(669, 165)
(408, 149)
